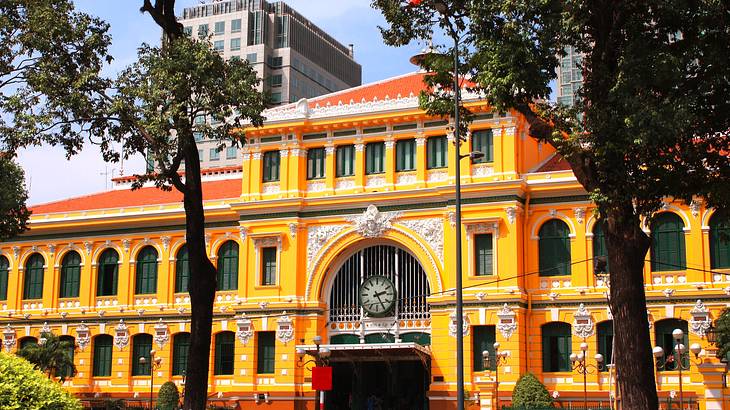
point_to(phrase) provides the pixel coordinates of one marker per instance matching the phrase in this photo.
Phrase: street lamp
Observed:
(500, 358)
(155, 363)
(319, 358)
(677, 359)
(580, 365)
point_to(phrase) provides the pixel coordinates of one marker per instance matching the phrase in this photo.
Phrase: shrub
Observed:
(24, 388)
(530, 392)
(168, 398)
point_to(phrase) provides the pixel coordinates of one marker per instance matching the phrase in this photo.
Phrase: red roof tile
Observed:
(555, 163)
(212, 190)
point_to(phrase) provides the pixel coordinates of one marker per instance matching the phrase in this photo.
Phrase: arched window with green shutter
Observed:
(667, 243)
(180, 349)
(599, 246)
(663, 330)
(70, 275)
(33, 280)
(146, 282)
(605, 341)
(182, 270)
(554, 248)
(228, 266)
(141, 347)
(556, 347)
(4, 274)
(107, 273)
(719, 240)
(224, 353)
(102, 359)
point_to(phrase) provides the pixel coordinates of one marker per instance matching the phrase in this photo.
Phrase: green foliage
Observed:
(168, 397)
(13, 212)
(723, 333)
(53, 357)
(529, 392)
(24, 388)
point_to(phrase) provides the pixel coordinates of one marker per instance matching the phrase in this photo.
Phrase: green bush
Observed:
(24, 388)
(168, 398)
(530, 392)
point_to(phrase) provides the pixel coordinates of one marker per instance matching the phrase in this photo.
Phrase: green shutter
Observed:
(374, 158)
(33, 282)
(344, 339)
(719, 241)
(436, 152)
(182, 270)
(107, 273)
(102, 356)
(483, 338)
(663, 337)
(315, 163)
(266, 350)
(228, 266)
(271, 166)
(146, 282)
(4, 273)
(405, 155)
(484, 254)
(141, 347)
(668, 249)
(66, 371)
(605, 341)
(556, 347)
(482, 141)
(70, 275)
(345, 157)
(554, 248)
(180, 349)
(268, 266)
(599, 243)
(224, 353)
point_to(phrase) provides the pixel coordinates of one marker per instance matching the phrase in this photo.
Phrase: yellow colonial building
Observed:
(339, 195)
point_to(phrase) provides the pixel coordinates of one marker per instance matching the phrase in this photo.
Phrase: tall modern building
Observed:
(295, 58)
(570, 76)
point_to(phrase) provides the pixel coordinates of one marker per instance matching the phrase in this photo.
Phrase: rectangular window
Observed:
(315, 163)
(271, 166)
(223, 362)
(345, 157)
(200, 154)
(200, 120)
(219, 28)
(483, 254)
(482, 141)
(374, 158)
(102, 356)
(180, 349)
(266, 349)
(188, 31)
(141, 346)
(556, 348)
(268, 266)
(235, 44)
(231, 152)
(275, 62)
(251, 57)
(483, 338)
(215, 155)
(4, 273)
(236, 26)
(198, 136)
(275, 98)
(275, 80)
(203, 30)
(218, 46)
(436, 151)
(405, 155)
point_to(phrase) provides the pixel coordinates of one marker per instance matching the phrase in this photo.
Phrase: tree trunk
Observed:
(203, 285)
(627, 246)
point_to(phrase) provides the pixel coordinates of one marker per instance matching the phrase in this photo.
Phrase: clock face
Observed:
(377, 295)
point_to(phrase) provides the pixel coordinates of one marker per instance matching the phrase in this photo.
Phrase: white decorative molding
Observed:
(431, 230)
(668, 292)
(695, 206)
(271, 188)
(420, 141)
(165, 242)
(83, 336)
(329, 150)
(317, 236)
(482, 170)
(512, 212)
(121, 335)
(243, 232)
(389, 143)
(256, 156)
(316, 186)
(437, 176)
(700, 321)
(359, 147)
(126, 243)
(583, 325)
(507, 323)
(284, 153)
(267, 241)
(580, 215)
(373, 223)
(51, 248)
(246, 156)
(244, 329)
(16, 252)
(452, 218)
(345, 183)
(162, 335)
(293, 228)
(9, 337)
(453, 325)
(406, 178)
(45, 329)
(374, 181)
(510, 131)
(284, 329)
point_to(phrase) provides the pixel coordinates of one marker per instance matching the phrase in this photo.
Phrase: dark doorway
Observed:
(384, 385)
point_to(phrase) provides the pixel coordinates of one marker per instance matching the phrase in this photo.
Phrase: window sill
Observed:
(267, 287)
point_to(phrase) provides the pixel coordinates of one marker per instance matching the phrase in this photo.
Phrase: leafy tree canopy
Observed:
(13, 212)
(24, 388)
(53, 357)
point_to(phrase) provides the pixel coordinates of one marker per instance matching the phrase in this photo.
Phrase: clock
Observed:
(377, 295)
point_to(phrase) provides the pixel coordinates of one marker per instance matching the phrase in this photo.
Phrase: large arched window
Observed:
(27, 341)
(70, 275)
(108, 272)
(719, 241)
(224, 353)
(67, 371)
(663, 337)
(554, 248)
(605, 341)
(4, 274)
(180, 349)
(102, 356)
(33, 281)
(556, 347)
(146, 271)
(228, 266)
(182, 270)
(667, 243)
(141, 347)
(599, 248)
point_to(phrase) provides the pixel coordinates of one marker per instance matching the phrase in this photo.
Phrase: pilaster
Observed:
(329, 168)
(389, 162)
(359, 165)
(421, 159)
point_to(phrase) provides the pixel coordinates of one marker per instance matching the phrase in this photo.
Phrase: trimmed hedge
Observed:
(168, 398)
(529, 392)
(24, 388)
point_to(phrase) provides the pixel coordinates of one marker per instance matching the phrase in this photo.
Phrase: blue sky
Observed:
(50, 177)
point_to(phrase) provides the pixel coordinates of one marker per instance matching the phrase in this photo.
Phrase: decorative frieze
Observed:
(437, 176)
(162, 334)
(374, 181)
(373, 223)
(284, 329)
(583, 325)
(453, 327)
(293, 228)
(121, 335)
(406, 178)
(316, 186)
(700, 321)
(512, 212)
(244, 329)
(431, 230)
(9, 337)
(580, 214)
(507, 323)
(317, 237)
(345, 183)
(83, 336)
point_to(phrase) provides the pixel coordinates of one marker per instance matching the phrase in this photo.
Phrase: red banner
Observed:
(322, 378)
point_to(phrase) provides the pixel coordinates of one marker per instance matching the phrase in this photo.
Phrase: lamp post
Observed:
(582, 367)
(155, 363)
(319, 358)
(500, 358)
(677, 359)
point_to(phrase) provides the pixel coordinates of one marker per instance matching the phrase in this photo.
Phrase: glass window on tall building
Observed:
(251, 57)
(218, 46)
(235, 44)
(203, 30)
(236, 26)
(282, 32)
(219, 28)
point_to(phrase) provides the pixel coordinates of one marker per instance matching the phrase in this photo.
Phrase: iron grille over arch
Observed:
(398, 265)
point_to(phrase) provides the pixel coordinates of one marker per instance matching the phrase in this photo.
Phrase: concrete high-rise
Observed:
(570, 76)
